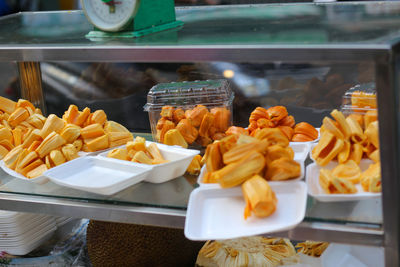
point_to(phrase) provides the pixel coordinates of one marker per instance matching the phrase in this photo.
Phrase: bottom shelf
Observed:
(320, 228)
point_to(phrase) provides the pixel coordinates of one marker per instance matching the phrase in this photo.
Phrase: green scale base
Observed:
(134, 34)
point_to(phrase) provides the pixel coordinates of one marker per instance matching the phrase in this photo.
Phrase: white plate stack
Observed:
(20, 232)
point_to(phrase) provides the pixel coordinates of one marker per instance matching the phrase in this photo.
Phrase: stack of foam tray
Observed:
(20, 233)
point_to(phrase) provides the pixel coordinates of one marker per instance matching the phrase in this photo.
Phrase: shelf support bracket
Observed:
(30, 79)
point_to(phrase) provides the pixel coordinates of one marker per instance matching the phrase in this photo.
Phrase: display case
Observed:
(303, 56)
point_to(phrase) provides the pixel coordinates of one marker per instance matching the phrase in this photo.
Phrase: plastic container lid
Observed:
(359, 99)
(209, 92)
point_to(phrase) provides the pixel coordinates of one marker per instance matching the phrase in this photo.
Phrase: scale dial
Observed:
(110, 15)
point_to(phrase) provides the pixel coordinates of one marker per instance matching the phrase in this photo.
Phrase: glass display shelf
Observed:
(228, 30)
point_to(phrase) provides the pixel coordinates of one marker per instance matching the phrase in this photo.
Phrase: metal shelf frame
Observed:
(384, 53)
(351, 233)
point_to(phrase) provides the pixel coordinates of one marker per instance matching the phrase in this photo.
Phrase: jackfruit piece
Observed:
(28, 158)
(34, 135)
(168, 125)
(139, 144)
(167, 112)
(206, 123)
(236, 173)
(34, 145)
(141, 157)
(70, 132)
(222, 118)
(52, 124)
(18, 116)
(37, 171)
(174, 137)
(237, 152)
(23, 103)
(69, 152)
(98, 143)
(82, 116)
(71, 114)
(118, 153)
(11, 158)
(7, 105)
(99, 116)
(51, 142)
(178, 115)
(6, 134)
(349, 171)
(194, 166)
(119, 138)
(259, 197)
(17, 136)
(3, 152)
(276, 152)
(187, 130)
(6, 144)
(213, 157)
(282, 169)
(92, 131)
(56, 157)
(78, 143)
(112, 126)
(155, 152)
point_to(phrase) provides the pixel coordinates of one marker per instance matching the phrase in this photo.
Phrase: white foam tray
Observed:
(316, 191)
(179, 159)
(98, 174)
(39, 180)
(31, 234)
(20, 228)
(218, 214)
(27, 246)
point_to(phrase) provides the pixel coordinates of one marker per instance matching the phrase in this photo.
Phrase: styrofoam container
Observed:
(39, 180)
(15, 229)
(27, 246)
(98, 174)
(179, 159)
(32, 233)
(218, 214)
(316, 191)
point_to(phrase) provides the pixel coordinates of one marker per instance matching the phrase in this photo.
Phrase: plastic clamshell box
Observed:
(316, 191)
(98, 174)
(187, 95)
(218, 214)
(300, 150)
(359, 99)
(179, 159)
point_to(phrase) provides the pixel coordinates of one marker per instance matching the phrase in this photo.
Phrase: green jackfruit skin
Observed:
(119, 244)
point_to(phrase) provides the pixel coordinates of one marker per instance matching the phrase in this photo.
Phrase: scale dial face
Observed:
(110, 15)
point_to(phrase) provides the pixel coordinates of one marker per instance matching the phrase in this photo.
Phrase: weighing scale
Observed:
(129, 18)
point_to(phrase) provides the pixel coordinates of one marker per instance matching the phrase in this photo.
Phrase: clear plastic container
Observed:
(359, 99)
(188, 95)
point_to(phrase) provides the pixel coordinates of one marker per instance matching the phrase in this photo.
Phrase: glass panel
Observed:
(292, 24)
(309, 91)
